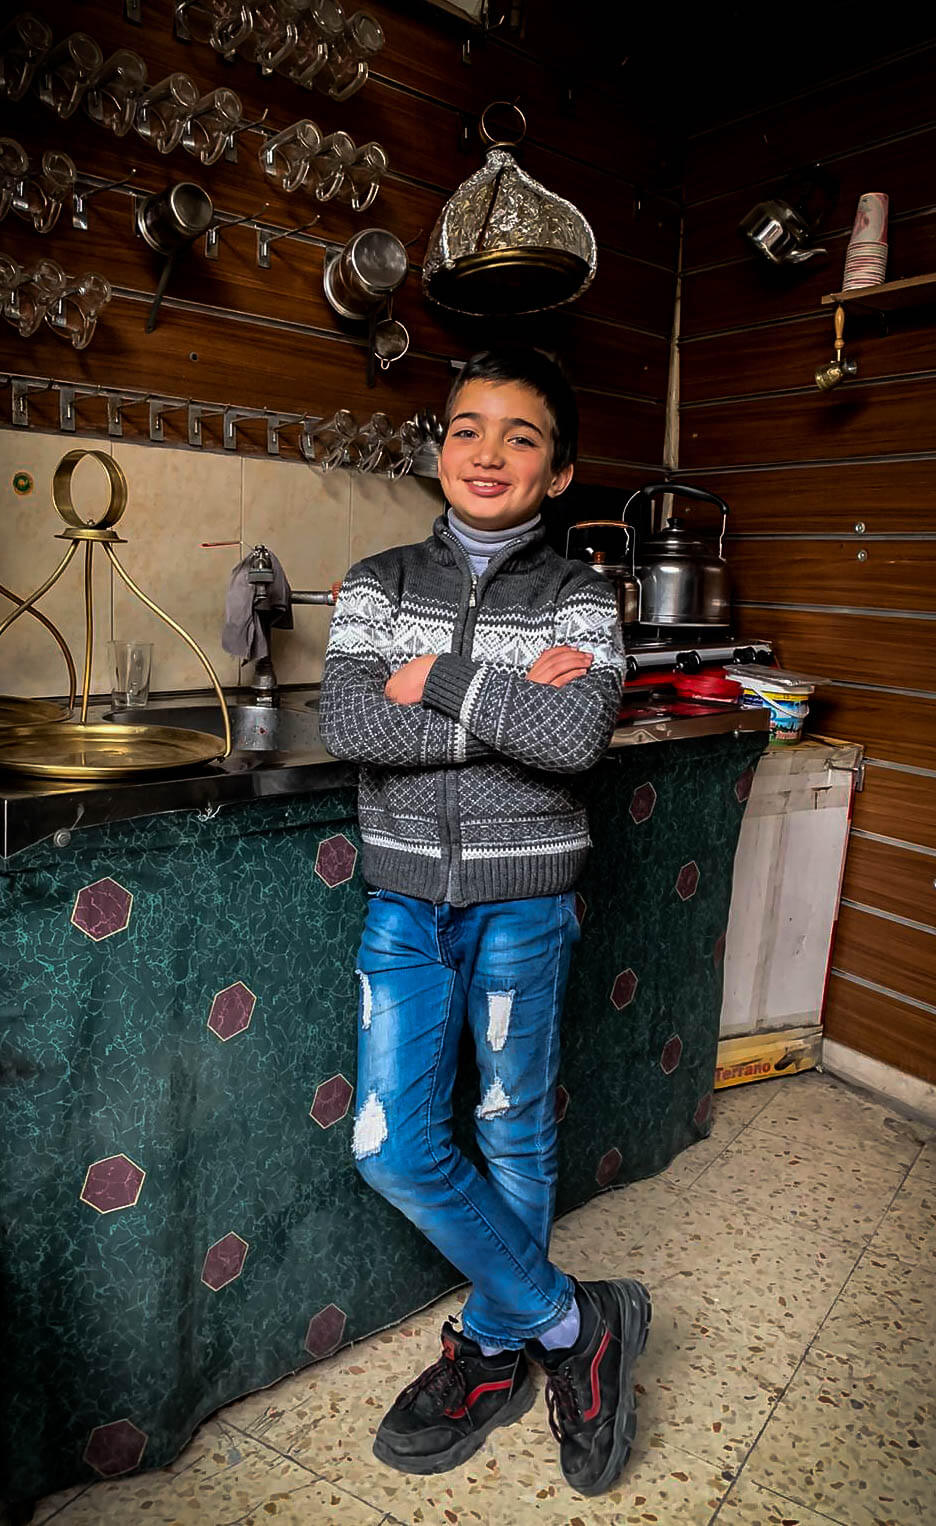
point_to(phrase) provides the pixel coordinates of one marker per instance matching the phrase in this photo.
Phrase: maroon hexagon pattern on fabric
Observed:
(562, 1102)
(581, 906)
(703, 1112)
(115, 1448)
(224, 1261)
(718, 948)
(335, 860)
(608, 1167)
(231, 1010)
(325, 1330)
(112, 1183)
(331, 1101)
(622, 992)
(687, 880)
(642, 802)
(102, 909)
(671, 1055)
(743, 784)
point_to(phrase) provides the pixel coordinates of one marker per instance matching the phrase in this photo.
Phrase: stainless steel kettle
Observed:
(621, 577)
(681, 571)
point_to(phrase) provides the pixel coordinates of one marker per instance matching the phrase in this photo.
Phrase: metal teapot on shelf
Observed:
(622, 578)
(682, 574)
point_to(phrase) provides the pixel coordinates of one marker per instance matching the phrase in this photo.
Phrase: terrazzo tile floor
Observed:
(789, 1376)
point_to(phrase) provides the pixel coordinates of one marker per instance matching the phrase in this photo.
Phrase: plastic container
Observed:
(785, 695)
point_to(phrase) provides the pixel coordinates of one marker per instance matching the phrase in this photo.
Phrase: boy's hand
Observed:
(559, 665)
(405, 686)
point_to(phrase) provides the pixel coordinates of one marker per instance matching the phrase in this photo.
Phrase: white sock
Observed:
(565, 1332)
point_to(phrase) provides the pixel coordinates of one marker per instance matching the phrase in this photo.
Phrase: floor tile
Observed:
(733, 1110)
(221, 1477)
(848, 1441)
(740, 1271)
(886, 1315)
(839, 1194)
(749, 1504)
(822, 1114)
(52, 1504)
(908, 1229)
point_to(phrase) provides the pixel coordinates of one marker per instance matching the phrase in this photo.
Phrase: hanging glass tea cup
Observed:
(363, 176)
(163, 111)
(349, 58)
(274, 34)
(38, 198)
(14, 166)
(75, 314)
(31, 294)
(24, 43)
(319, 27)
(223, 24)
(112, 96)
(330, 165)
(210, 125)
(67, 72)
(287, 158)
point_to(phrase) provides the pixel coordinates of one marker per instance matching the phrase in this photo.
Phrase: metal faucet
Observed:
(260, 577)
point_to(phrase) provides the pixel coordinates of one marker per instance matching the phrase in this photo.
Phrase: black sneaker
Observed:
(444, 1415)
(589, 1387)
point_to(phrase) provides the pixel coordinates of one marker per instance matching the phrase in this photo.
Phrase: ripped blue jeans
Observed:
(424, 970)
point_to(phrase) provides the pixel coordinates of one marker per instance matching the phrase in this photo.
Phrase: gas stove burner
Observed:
(689, 655)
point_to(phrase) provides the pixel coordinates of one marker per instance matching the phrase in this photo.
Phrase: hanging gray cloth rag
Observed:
(245, 631)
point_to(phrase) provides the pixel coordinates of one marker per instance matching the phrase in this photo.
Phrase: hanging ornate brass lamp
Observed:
(86, 749)
(504, 244)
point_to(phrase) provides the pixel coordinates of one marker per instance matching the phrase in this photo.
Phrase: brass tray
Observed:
(29, 712)
(103, 750)
(509, 280)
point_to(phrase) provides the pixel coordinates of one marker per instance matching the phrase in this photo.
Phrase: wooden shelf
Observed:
(890, 294)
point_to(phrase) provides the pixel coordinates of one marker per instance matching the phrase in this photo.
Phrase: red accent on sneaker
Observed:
(482, 1388)
(595, 1385)
(449, 1348)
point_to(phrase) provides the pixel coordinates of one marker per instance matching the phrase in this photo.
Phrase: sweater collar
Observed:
(446, 543)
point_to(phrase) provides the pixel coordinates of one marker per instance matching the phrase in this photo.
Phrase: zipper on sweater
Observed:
(473, 596)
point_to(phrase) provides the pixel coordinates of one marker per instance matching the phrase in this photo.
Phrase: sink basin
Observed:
(254, 728)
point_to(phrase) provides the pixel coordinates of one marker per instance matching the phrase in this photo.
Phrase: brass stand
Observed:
(79, 749)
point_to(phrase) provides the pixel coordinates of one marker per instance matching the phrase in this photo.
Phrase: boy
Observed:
(467, 674)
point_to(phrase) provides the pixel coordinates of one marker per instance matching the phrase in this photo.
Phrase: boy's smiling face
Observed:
(495, 464)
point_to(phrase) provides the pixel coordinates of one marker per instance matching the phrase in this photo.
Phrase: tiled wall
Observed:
(317, 525)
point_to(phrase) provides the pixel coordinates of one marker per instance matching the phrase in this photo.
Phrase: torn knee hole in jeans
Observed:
(370, 1128)
(500, 1004)
(495, 1101)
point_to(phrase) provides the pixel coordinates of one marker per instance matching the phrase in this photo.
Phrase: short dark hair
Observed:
(543, 374)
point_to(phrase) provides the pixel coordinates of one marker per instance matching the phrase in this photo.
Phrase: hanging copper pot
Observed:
(504, 244)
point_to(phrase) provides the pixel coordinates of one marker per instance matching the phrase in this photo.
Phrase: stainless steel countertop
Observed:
(34, 809)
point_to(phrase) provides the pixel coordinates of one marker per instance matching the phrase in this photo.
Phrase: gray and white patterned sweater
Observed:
(458, 796)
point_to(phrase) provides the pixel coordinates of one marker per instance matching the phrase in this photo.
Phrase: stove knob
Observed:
(745, 654)
(688, 662)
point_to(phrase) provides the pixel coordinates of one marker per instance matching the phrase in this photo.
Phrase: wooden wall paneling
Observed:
(627, 429)
(900, 167)
(899, 496)
(895, 97)
(628, 291)
(785, 355)
(750, 291)
(898, 727)
(889, 1030)
(892, 879)
(887, 952)
(894, 574)
(897, 804)
(852, 648)
(860, 419)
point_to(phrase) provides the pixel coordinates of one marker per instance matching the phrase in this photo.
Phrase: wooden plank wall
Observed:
(232, 333)
(833, 497)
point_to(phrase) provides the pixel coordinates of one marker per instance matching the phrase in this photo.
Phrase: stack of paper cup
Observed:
(866, 256)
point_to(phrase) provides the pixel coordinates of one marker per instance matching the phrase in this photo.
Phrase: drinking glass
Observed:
(286, 159)
(348, 58)
(163, 111)
(320, 25)
(211, 123)
(24, 43)
(330, 165)
(75, 314)
(112, 96)
(31, 294)
(372, 443)
(224, 24)
(67, 72)
(130, 665)
(363, 176)
(38, 198)
(274, 34)
(14, 166)
(334, 442)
